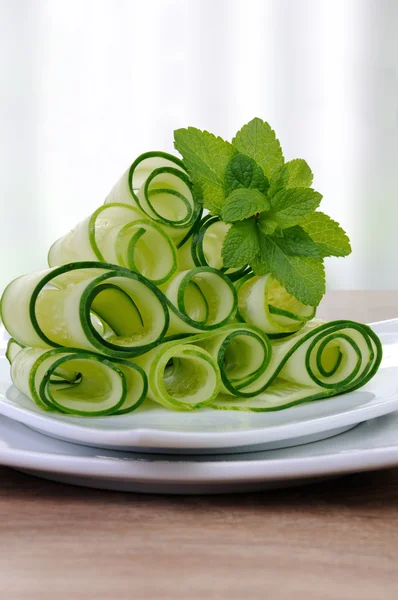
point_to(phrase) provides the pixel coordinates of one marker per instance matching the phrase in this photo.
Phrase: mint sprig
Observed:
(276, 227)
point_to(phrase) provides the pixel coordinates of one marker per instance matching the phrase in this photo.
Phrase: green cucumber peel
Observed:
(98, 388)
(119, 234)
(292, 380)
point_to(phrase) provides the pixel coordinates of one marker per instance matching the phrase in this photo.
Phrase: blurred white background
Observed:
(86, 85)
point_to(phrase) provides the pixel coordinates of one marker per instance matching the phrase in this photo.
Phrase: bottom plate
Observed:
(371, 445)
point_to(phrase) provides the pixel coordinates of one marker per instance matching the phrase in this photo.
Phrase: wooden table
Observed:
(333, 540)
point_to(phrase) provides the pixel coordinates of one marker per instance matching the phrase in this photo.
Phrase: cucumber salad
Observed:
(194, 284)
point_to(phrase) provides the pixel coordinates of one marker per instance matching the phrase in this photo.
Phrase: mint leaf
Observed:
(243, 172)
(243, 203)
(206, 158)
(258, 141)
(267, 226)
(241, 244)
(295, 173)
(296, 242)
(303, 277)
(289, 207)
(259, 266)
(330, 238)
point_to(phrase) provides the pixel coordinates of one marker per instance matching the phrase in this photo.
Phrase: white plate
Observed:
(156, 429)
(371, 445)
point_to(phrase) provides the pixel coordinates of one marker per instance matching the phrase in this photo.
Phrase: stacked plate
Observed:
(159, 451)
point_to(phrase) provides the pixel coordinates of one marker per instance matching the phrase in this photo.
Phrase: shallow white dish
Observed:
(156, 429)
(371, 445)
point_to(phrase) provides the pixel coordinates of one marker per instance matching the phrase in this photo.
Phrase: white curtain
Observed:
(89, 84)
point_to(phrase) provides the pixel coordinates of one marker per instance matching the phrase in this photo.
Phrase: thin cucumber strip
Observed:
(118, 234)
(92, 385)
(144, 247)
(13, 347)
(158, 185)
(264, 303)
(242, 354)
(136, 386)
(184, 257)
(39, 310)
(206, 245)
(321, 360)
(181, 376)
(191, 311)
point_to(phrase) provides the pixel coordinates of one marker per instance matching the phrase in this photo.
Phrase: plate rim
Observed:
(180, 440)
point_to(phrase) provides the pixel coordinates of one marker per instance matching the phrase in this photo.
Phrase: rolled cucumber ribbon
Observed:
(241, 352)
(321, 360)
(88, 305)
(158, 185)
(75, 381)
(118, 234)
(181, 376)
(264, 303)
(200, 299)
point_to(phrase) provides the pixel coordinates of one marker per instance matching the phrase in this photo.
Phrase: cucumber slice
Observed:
(264, 303)
(91, 385)
(321, 360)
(158, 185)
(117, 234)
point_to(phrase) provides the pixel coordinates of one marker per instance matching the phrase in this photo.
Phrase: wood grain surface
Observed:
(326, 541)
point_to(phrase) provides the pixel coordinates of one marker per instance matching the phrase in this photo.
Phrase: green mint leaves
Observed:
(243, 203)
(295, 173)
(243, 172)
(206, 158)
(258, 141)
(271, 205)
(330, 238)
(241, 244)
(302, 276)
(289, 207)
